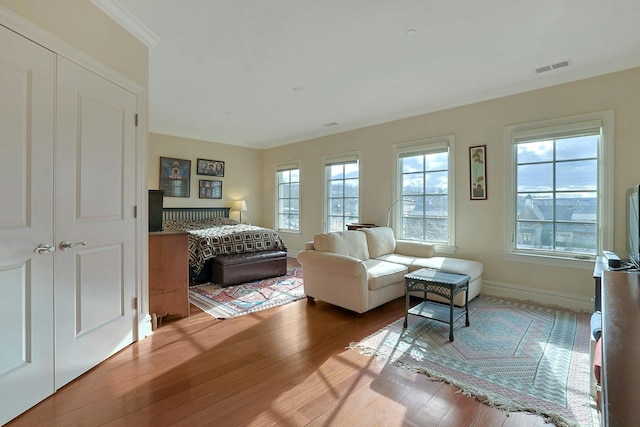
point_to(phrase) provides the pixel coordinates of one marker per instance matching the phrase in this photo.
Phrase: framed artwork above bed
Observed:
(175, 177)
(210, 167)
(210, 189)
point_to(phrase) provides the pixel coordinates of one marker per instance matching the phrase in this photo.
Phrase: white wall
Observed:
(242, 177)
(479, 224)
(85, 27)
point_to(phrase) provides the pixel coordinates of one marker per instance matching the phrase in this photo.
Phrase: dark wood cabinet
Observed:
(620, 347)
(168, 274)
(358, 226)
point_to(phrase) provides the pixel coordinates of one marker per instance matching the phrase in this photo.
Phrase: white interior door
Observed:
(94, 211)
(26, 206)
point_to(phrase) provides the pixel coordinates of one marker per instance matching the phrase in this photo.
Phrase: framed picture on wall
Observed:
(210, 167)
(210, 189)
(175, 177)
(478, 172)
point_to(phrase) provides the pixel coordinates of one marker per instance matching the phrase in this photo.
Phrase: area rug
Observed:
(515, 356)
(245, 298)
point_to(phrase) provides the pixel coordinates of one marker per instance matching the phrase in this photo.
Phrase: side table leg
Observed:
(451, 317)
(406, 312)
(466, 305)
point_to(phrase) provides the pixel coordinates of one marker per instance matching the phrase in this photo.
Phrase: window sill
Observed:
(444, 249)
(291, 232)
(585, 264)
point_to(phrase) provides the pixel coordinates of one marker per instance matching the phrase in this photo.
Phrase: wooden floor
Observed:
(286, 366)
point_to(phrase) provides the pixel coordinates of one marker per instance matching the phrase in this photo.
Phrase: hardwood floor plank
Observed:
(288, 366)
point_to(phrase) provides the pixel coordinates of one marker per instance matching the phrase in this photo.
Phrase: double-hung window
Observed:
(342, 189)
(424, 202)
(288, 197)
(559, 202)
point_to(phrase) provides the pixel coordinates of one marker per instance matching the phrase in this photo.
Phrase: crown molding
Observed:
(128, 21)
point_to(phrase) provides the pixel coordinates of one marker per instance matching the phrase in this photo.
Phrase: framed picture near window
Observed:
(210, 189)
(210, 167)
(478, 172)
(175, 177)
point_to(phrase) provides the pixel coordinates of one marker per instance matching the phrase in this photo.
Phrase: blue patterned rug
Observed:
(515, 356)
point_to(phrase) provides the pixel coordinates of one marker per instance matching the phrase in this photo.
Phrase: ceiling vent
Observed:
(552, 67)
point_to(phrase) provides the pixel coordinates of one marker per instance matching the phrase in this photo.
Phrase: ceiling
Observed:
(263, 73)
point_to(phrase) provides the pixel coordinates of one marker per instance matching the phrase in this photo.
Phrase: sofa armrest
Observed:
(415, 249)
(338, 264)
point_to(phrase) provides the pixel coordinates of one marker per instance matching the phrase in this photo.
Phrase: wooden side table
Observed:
(357, 226)
(447, 285)
(168, 274)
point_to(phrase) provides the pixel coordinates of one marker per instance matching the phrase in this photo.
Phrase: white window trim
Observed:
(422, 145)
(605, 185)
(278, 167)
(340, 158)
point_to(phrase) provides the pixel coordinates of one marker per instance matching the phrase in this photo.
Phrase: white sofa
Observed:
(362, 269)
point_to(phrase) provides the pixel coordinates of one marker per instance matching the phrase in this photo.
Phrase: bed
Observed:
(223, 251)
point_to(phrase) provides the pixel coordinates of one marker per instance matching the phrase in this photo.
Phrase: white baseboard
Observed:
(144, 327)
(293, 252)
(572, 302)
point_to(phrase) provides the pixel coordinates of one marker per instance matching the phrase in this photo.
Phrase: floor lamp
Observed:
(391, 207)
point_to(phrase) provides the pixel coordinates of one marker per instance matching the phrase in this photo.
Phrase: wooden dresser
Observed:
(168, 274)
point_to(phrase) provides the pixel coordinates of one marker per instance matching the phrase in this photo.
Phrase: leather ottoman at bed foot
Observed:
(241, 268)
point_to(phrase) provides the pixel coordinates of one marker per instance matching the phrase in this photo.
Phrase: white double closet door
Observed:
(68, 167)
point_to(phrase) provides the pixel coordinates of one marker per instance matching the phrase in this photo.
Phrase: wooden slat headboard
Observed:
(193, 214)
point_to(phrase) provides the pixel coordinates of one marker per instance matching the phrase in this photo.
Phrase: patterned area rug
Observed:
(238, 300)
(514, 355)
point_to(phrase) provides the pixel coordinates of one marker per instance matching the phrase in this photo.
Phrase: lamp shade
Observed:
(240, 205)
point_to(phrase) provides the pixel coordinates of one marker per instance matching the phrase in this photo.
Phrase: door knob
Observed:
(64, 245)
(44, 248)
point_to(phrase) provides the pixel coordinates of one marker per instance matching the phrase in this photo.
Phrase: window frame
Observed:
(283, 167)
(426, 146)
(333, 160)
(558, 126)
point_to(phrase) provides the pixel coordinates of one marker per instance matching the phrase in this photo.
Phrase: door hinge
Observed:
(136, 120)
(135, 303)
(135, 212)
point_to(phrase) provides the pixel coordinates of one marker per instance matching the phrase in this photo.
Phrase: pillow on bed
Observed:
(170, 224)
(196, 225)
(212, 222)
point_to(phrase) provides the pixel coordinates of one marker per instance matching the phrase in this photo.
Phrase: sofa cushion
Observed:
(380, 241)
(453, 265)
(382, 273)
(415, 248)
(349, 243)
(412, 263)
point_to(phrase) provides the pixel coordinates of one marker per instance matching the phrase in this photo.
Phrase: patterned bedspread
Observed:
(213, 237)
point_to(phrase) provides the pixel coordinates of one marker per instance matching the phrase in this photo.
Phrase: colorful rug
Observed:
(245, 298)
(515, 356)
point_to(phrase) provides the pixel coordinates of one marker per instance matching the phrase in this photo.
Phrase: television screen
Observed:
(155, 209)
(633, 225)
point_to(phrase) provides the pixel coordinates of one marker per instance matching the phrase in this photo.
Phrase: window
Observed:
(288, 193)
(342, 178)
(423, 208)
(559, 205)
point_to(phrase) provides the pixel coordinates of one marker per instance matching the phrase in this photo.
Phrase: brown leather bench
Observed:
(240, 268)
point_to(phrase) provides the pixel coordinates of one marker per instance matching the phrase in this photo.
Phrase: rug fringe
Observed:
(490, 399)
